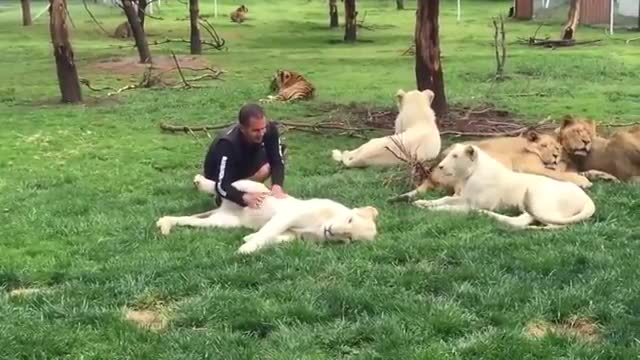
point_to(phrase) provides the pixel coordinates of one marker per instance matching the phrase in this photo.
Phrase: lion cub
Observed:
(488, 185)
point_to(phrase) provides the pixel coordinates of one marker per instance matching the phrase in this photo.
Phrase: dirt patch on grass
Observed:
(131, 65)
(148, 319)
(574, 327)
(482, 120)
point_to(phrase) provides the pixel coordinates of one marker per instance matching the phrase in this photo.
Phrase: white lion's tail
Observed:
(586, 212)
(336, 155)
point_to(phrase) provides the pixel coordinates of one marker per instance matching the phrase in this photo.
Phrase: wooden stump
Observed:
(138, 32)
(350, 25)
(428, 66)
(333, 13)
(573, 18)
(194, 14)
(26, 12)
(63, 53)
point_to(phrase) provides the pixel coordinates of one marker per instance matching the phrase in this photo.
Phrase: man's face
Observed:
(254, 132)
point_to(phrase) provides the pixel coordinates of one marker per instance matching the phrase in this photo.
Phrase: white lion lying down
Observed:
(488, 185)
(281, 220)
(415, 129)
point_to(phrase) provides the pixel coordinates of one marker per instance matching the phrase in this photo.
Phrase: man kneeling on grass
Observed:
(251, 150)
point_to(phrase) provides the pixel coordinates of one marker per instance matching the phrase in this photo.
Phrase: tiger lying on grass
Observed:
(289, 86)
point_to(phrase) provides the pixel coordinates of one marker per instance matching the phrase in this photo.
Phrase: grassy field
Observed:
(82, 186)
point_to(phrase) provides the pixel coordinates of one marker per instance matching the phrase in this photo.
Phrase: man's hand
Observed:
(277, 192)
(254, 200)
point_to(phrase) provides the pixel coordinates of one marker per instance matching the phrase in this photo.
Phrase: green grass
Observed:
(82, 186)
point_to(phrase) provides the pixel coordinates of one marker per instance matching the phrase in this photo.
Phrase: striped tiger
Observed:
(290, 86)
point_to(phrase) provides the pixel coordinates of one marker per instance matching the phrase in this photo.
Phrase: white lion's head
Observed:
(414, 108)
(355, 225)
(459, 162)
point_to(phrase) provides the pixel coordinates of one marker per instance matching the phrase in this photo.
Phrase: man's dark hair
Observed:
(248, 112)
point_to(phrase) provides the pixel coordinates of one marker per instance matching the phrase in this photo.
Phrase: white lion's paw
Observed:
(197, 181)
(248, 237)
(336, 155)
(248, 248)
(423, 203)
(600, 175)
(165, 224)
(269, 99)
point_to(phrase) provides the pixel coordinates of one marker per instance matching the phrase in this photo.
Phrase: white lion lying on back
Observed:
(488, 185)
(280, 220)
(415, 129)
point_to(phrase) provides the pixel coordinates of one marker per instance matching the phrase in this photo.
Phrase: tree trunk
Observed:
(138, 32)
(428, 67)
(350, 25)
(142, 8)
(26, 12)
(333, 13)
(63, 53)
(573, 18)
(194, 14)
(400, 4)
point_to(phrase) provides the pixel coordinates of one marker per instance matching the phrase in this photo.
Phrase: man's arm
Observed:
(274, 155)
(223, 161)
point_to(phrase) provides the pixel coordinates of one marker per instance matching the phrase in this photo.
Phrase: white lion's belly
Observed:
(256, 218)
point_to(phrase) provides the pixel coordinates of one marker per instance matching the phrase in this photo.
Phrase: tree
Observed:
(142, 8)
(26, 12)
(428, 66)
(350, 25)
(138, 32)
(333, 13)
(63, 52)
(573, 18)
(400, 4)
(194, 14)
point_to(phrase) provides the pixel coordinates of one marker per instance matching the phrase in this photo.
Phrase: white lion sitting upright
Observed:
(281, 220)
(488, 185)
(415, 129)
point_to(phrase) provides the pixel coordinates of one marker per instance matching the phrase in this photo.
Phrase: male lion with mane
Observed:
(618, 156)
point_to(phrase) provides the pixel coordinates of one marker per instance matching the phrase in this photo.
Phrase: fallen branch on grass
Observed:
(417, 170)
(313, 128)
(555, 43)
(631, 40)
(150, 80)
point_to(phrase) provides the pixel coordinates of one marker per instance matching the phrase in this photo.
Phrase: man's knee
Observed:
(262, 174)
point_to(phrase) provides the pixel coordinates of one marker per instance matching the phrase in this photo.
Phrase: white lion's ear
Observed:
(399, 95)
(369, 211)
(471, 152)
(430, 95)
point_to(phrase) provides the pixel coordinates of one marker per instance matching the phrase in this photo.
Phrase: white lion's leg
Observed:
(217, 219)
(520, 221)
(373, 152)
(447, 200)
(452, 208)
(425, 186)
(204, 185)
(269, 233)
